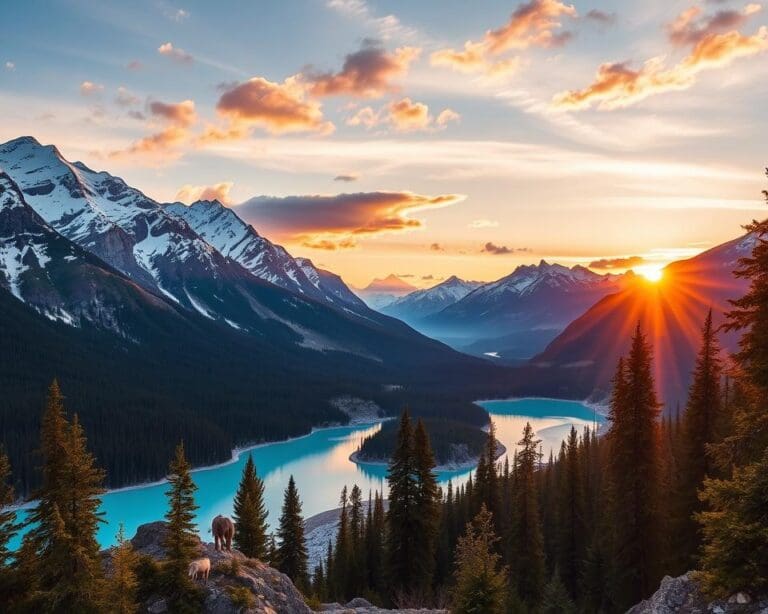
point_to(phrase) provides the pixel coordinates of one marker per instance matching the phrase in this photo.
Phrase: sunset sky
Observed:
(419, 138)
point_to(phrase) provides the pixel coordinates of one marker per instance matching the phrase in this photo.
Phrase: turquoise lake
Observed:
(320, 465)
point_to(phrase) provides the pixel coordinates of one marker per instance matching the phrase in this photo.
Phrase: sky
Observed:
(424, 139)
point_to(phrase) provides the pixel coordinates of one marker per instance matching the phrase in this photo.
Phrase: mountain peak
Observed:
(390, 283)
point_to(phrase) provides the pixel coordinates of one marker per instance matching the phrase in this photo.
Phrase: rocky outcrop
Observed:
(361, 606)
(237, 584)
(682, 595)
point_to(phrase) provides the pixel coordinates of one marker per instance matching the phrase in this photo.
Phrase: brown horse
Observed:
(223, 530)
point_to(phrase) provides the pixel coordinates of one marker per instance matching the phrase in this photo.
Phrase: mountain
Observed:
(422, 303)
(382, 292)
(670, 312)
(514, 317)
(143, 321)
(224, 230)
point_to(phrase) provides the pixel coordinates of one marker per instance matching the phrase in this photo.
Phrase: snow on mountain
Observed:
(55, 276)
(221, 227)
(422, 303)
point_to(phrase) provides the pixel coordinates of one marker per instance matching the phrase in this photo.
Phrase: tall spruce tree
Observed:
(427, 509)
(181, 543)
(633, 465)
(527, 560)
(60, 554)
(342, 564)
(735, 552)
(292, 551)
(701, 426)
(250, 514)
(402, 516)
(570, 544)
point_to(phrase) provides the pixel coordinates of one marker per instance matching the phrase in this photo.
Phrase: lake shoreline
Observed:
(501, 450)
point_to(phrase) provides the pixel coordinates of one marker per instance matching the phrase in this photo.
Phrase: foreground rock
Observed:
(236, 585)
(682, 595)
(361, 606)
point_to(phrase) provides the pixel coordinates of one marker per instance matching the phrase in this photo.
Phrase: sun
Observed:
(651, 273)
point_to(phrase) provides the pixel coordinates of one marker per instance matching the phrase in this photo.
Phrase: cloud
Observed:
(502, 250)
(180, 114)
(533, 24)
(340, 220)
(88, 88)
(427, 277)
(387, 26)
(134, 65)
(436, 247)
(402, 115)
(617, 263)
(617, 85)
(177, 119)
(346, 178)
(483, 223)
(177, 15)
(275, 107)
(691, 27)
(175, 53)
(124, 98)
(10, 66)
(601, 17)
(367, 73)
(218, 191)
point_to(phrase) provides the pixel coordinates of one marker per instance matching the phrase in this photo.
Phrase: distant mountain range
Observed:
(510, 319)
(382, 292)
(671, 313)
(183, 315)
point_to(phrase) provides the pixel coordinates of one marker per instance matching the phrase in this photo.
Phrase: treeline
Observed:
(452, 441)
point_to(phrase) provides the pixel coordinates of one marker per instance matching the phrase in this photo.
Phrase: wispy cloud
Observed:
(483, 223)
(175, 53)
(502, 250)
(89, 88)
(623, 262)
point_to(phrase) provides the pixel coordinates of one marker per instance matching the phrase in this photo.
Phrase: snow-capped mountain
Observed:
(221, 227)
(381, 292)
(58, 278)
(422, 303)
(671, 313)
(517, 315)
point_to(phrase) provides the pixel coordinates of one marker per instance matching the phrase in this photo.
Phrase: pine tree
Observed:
(180, 541)
(555, 599)
(123, 584)
(528, 559)
(292, 551)
(357, 571)
(318, 583)
(700, 427)
(487, 484)
(481, 585)
(60, 554)
(633, 464)
(342, 560)
(250, 514)
(571, 547)
(427, 509)
(402, 519)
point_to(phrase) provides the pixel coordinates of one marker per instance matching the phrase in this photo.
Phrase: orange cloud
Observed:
(407, 116)
(180, 113)
(617, 263)
(178, 118)
(690, 27)
(533, 24)
(447, 116)
(616, 85)
(367, 73)
(276, 107)
(331, 222)
(218, 191)
(175, 53)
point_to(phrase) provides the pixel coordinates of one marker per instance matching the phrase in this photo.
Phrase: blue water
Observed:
(320, 464)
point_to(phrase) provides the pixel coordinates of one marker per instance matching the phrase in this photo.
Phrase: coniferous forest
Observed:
(590, 529)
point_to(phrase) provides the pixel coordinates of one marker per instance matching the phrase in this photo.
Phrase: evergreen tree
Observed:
(292, 552)
(402, 517)
(481, 586)
(318, 583)
(357, 570)
(8, 528)
(272, 550)
(250, 514)
(60, 554)
(700, 427)
(342, 560)
(427, 510)
(633, 464)
(487, 484)
(123, 584)
(571, 547)
(528, 558)
(181, 540)
(555, 599)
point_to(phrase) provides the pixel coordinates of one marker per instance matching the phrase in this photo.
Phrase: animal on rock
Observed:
(200, 568)
(223, 531)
